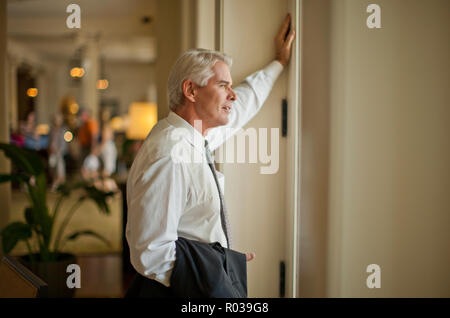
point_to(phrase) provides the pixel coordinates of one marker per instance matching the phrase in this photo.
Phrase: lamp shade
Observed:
(142, 117)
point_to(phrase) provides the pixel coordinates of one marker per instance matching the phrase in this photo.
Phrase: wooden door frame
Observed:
(293, 155)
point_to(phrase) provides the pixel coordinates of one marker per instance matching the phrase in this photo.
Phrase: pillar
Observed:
(5, 188)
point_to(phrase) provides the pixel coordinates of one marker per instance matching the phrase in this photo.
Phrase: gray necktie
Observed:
(223, 209)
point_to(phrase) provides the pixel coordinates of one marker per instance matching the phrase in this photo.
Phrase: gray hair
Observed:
(196, 65)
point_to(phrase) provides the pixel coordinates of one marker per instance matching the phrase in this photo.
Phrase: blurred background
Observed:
(84, 99)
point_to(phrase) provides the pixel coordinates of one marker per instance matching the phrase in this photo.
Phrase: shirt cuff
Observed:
(164, 278)
(274, 69)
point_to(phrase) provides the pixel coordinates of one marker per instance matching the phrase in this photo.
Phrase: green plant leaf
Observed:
(13, 177)
(26, 160)
(31, 171)
(13, 233)
(39, 220)
(99, 197)
(75, 235)
(38, 190)
(41, 217)
(41, 186)
(64, 189)
(29, 216)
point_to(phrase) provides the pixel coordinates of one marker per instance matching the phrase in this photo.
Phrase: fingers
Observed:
(250, 256)
(285, 26)
(284, 40)
(290, 39)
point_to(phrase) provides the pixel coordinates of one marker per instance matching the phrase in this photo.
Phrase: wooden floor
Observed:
(102, 276)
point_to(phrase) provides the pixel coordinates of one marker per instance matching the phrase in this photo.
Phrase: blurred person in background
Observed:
(18, 136)
(57, 150)
(91, 165)
(108, 152)
(32, 138)
(87, 134)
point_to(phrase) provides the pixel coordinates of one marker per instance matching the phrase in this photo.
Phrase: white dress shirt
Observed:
(169, 195)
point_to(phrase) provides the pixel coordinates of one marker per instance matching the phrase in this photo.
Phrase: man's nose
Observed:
(232, 94)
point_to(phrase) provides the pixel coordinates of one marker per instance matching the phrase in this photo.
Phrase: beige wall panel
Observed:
(389, 155)
(169, 46)
(314, 136)
(257, 201)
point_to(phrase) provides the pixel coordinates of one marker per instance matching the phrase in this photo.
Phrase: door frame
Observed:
(293, 156)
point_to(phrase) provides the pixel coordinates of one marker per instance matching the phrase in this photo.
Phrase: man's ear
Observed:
(189, 90)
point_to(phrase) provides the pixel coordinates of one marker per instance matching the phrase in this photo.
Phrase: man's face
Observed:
(214, 101)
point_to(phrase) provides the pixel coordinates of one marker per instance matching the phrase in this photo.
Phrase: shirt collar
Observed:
(194, 137)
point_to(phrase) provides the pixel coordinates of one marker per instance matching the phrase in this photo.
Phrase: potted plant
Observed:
(47, 261)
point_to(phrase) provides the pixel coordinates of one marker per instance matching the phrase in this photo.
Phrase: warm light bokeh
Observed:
(32, 92)
(102, 84)
(142, 117)
(74, 108)
(68, 136)
(77, 72)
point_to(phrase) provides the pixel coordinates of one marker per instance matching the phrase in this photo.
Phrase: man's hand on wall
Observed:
(283, 41)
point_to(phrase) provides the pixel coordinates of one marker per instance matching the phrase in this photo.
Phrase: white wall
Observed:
(395, 204)
(387, 187)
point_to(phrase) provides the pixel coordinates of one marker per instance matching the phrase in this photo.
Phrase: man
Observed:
(170, 199)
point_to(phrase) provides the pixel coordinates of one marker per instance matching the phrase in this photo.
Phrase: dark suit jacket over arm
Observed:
(200, 270)
(208, 270)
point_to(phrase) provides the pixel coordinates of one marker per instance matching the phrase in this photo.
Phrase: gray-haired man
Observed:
(168, 198)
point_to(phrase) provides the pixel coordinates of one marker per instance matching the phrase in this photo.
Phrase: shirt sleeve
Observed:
(251, 95)
(156, 197)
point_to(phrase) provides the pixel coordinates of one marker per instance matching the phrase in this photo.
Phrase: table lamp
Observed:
(142, 117)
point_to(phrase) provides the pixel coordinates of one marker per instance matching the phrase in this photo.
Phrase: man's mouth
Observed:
(227, 108)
